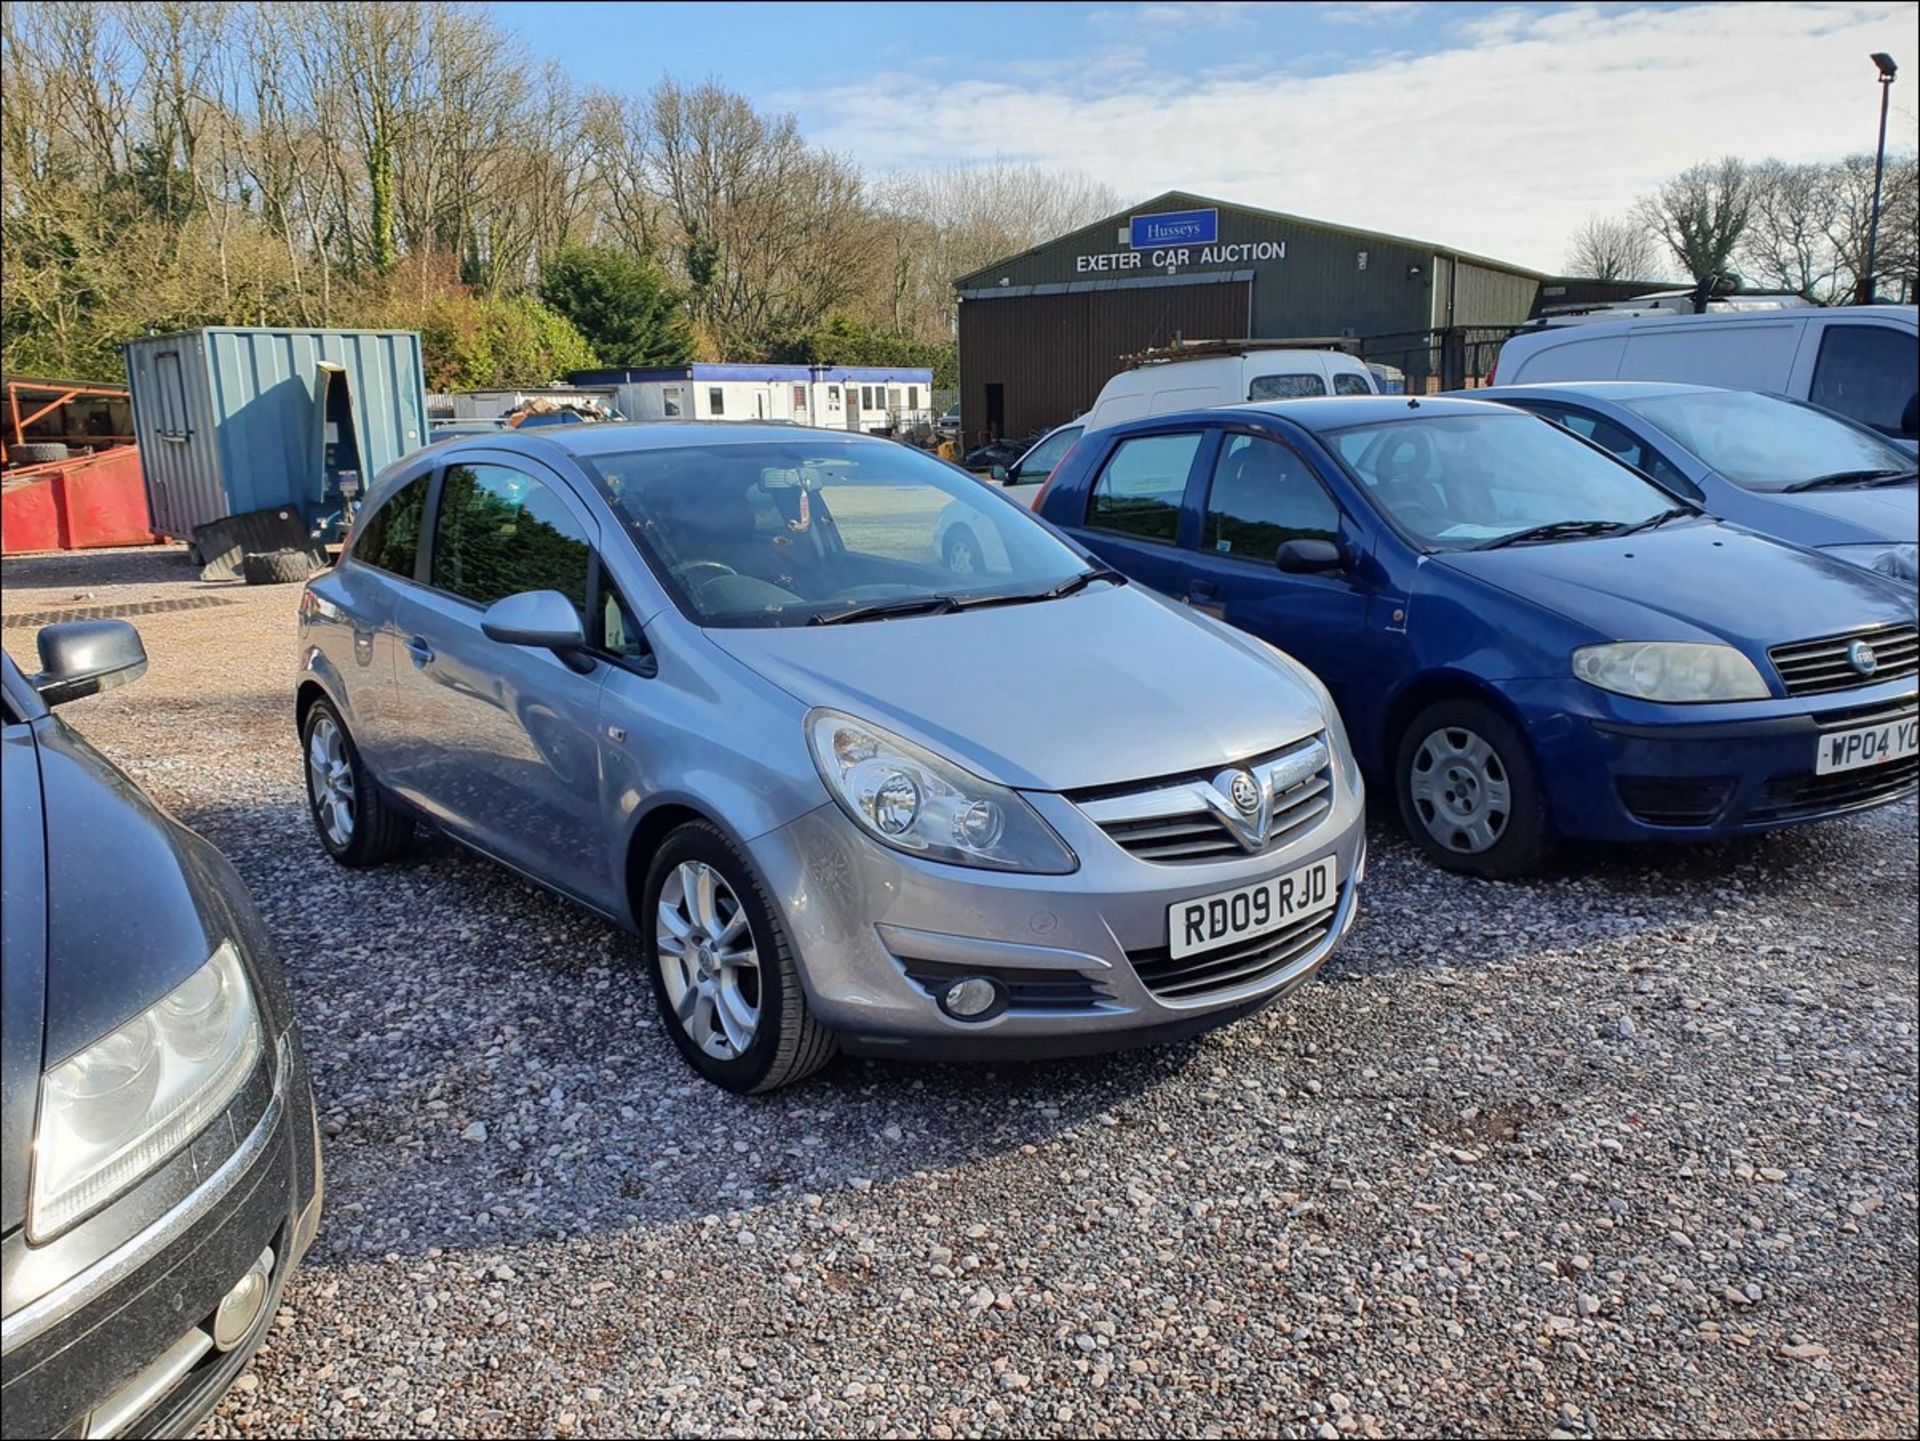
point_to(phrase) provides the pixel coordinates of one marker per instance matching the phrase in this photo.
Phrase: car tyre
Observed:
(962, 551)
(276, 567)
(1470, 793)
(786, 1043)
(356, 820)
(37, 452)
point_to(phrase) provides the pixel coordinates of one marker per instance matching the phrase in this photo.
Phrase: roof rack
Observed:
(1189, 349)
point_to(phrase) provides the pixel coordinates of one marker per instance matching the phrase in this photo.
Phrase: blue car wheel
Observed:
(1469, 793)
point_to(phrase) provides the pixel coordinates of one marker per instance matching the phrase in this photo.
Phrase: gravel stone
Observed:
(1538, 1229)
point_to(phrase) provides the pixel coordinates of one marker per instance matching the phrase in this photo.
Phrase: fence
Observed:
(1455, 358)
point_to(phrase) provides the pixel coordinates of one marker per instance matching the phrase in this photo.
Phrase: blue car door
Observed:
(1259, 493)
(1136, 508)
(501, 742)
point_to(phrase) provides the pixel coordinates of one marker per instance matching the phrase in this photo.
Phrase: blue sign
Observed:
(1181, 227)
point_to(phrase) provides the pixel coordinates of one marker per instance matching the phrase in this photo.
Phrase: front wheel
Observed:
(1469, 792)
(723, 970)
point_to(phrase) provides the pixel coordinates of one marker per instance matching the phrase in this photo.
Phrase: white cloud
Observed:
(1368, 12)
(1500, 143)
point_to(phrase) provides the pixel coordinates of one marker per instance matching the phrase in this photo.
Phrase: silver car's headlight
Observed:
(1663, 670)
(112, 1112)
(1900, 560)
(913, 800)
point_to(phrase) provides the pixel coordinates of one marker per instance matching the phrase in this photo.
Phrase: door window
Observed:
(1347, 383)
(501, 532)
(716, 400)
(1041, 460)
(1262, 495)
(389, 539)
(1140, 491)
(1285, 387)
(1865, 372)
(670, 402)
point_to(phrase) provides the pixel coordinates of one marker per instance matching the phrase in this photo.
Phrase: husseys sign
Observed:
(1170, 241)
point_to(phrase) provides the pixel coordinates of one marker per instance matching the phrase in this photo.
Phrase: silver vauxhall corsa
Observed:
(717, 683)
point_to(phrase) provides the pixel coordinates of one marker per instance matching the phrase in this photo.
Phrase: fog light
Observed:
(970, 997)
(241, 1306)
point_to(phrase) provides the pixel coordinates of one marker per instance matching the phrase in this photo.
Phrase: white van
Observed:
(1192, 382)
(1860, 361)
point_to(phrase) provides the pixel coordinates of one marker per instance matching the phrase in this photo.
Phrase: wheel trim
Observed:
(961, 559)
(1461, 790)
(709, 963)
(330, 783)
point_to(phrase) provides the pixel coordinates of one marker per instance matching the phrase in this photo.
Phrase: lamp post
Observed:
(1884, 63)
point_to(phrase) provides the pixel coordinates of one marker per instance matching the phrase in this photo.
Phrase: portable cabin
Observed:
(239, 422)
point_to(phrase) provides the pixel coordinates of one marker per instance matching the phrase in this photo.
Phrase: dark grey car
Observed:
(159, 1165)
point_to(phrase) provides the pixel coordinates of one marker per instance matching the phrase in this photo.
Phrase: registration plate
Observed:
(1206, 922)
(1867, 746)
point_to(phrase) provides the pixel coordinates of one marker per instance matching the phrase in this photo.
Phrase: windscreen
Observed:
(788, 532)
(1765, 443)
(1456, 481)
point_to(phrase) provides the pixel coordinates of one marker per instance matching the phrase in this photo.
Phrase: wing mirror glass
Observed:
(84, 657)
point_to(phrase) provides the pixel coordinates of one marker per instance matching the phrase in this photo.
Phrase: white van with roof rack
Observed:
(1859, 361)
(1196, 374)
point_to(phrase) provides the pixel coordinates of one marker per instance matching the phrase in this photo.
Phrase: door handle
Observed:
(421, 652)
(1202, 590)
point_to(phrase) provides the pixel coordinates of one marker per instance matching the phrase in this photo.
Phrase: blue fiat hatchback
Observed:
(1527, 639)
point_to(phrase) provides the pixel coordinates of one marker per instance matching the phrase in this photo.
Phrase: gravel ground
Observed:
(1626, 1150)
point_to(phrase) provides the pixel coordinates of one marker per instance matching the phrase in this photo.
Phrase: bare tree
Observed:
(1612, 248)
(1701, 214)
(1786, 244)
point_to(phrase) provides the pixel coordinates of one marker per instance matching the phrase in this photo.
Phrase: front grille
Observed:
(1818, 667)
(1242, 964)
(1793, 797)
(1029, 988)
(1180, 818)
(1675, 800)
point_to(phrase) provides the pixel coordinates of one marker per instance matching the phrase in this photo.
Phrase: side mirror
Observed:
(999, 473)
(84, 657)
(1307, 555)
(541, 619)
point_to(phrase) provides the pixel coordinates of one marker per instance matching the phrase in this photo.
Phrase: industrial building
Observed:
(1040, 332)
(835, 397)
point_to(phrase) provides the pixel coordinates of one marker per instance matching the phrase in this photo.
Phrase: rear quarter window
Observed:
(1142, 487)
(389, 539)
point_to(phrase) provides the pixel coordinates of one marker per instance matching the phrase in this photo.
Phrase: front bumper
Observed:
(122, 1345)
(878, 932)
(1617, 769)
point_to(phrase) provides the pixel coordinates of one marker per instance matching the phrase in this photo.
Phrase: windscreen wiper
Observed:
(880, 609)
(1848, 478)
(1066, 587)
(1660, 518)
(1552, 530)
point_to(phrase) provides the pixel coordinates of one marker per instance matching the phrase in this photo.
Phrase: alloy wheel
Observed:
(1460, 790)
(330, 777)
(708, 960)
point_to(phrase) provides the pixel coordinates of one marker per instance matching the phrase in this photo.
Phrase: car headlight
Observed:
(1670, 671)
(1336, 728)
(914, 801)
(113, 1111)
(1900, 560)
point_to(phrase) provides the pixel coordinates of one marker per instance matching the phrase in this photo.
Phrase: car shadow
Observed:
(490, 1070)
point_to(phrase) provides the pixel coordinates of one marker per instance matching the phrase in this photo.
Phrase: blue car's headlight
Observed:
(1680, 671)
(1898, 559)
(113, 1111)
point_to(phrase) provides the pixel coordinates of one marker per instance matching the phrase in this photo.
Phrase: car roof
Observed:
(612, 437)
(1596, 389)
(1576, 327)
(1324, 412)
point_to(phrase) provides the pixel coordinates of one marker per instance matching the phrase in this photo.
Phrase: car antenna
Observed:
(1413, 402)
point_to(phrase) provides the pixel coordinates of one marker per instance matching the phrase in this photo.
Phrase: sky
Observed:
(1493, 128)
